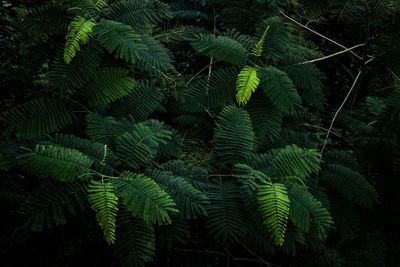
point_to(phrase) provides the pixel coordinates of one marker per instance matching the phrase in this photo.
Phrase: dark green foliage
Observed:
(224, 219)
(213, 92)
(133, 108)
(234, 137)
(307, 213)
(136, 243)
(139, 14)
(138, 147)
(67, 78)
(144, 98)
(221, 48)
(279, 88)
(108, 85)
(155, 58)
(37, 117)
(48, 204)
(190, 201)
(119, 39)
(144, 198)
(67, 162)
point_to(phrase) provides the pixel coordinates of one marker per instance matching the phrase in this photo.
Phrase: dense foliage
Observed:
(200, 133)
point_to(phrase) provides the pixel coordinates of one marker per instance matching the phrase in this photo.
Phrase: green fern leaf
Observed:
(234, 137)
(140, 14)
(279, 88)
(279, 37)
(144, 98)
(60, 163)
(225, 219)
(104, 201)
(135, 244)
(79, 33)
(295, 161)
(155, 58)
(221, 48)
(140, 145)
(108, 84)
(119, 39)
(49, 203)
(66, 78)
(36, 117)
(307, 213)
(274, 206)
(100, 4)
(190, 202)
(211, 93)
(144, 198)
(246, 84)
(258, 47)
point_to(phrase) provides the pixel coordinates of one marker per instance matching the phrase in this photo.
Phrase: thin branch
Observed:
(320, 35)
(332, 55)
(212, 58)
(337, 112)
(197, 74)
(321, 128)
(254, 254)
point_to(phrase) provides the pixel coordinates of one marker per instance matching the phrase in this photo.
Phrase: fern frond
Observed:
(101, 129)
(139, 14)
(246, 84)
(234, 137)
(155, 58)
(144, 98)
(36, 117)
(104, 201)
(221, 48)
(190, 201)
(274, 206)
(136, 240)
(351, 184)
(139, 146)
(224, 219)
(108, 84)
(195, 175)
(266, 119)
(79, 33)
(295, 161)
(60, 163)
(100, 4)
(119, 39)
(144, 198)
(258, 47)
(279, 37)
(279, 88)
(217, 91)
(49, 203)
(93, 150)
(66, 78)
(307, 213)
(375, 105)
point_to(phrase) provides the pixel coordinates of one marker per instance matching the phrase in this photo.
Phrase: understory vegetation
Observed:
(200, 133)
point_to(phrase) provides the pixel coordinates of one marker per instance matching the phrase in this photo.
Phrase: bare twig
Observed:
(332, 55)
(337, 112)
(212, 58)
(320, 35)
(254, 254)
(197, 74)
(320, 128)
